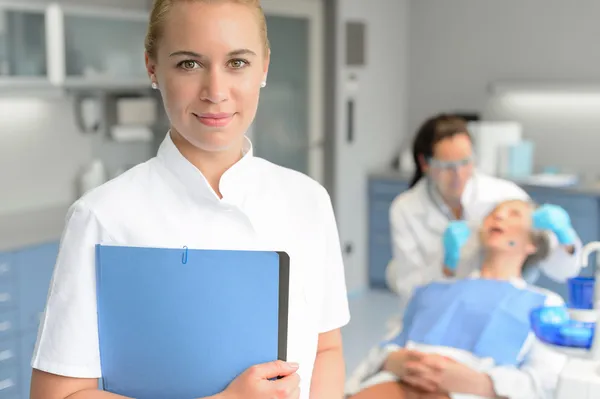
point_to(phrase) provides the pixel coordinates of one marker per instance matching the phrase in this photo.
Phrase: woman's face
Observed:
(209, 68)
(508, 228)
(451, 166)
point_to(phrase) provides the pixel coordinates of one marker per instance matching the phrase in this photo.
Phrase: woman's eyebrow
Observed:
(233, 53)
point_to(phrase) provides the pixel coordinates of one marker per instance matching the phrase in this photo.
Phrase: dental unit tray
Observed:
(554, 326)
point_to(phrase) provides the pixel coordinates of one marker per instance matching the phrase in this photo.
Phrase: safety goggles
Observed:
(450, 165)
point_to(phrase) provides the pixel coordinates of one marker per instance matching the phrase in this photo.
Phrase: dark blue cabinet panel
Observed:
(35, 267)
(380, 254)
(24, 280)
(381, 194)
(27, 344)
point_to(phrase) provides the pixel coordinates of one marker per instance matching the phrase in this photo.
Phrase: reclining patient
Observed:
(471, 338)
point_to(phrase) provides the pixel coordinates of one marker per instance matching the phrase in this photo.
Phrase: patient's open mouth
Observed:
(496, 230)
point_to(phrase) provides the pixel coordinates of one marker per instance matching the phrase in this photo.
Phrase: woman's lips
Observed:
(215, 120)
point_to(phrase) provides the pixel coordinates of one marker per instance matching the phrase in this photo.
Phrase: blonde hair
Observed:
(161, 8)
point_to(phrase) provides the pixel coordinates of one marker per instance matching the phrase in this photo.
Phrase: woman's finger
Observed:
(423, 372)
(435, 362)
(420, 383)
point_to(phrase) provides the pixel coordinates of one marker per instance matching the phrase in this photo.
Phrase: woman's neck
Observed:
(502, 266)
(455, 206)
(211, 164)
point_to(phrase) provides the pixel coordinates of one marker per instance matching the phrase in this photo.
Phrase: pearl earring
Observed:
(154, 85)
(263, 84)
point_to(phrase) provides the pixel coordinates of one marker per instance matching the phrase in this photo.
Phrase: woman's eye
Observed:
(189, 64)
(237, 64)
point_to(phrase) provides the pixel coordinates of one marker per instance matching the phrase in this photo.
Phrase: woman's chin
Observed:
(213, 141)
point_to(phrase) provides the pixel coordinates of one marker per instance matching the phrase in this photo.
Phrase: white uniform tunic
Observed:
(167, 202)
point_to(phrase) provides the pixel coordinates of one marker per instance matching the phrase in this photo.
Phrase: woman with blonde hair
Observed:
(204, 189)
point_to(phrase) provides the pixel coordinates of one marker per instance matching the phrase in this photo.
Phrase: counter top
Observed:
(32, 227)
(590, 188)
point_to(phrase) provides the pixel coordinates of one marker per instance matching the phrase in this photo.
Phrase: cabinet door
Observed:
(35, 267)
(288, 126)
(8, 283)
(380, 254)
(103, 47)
(381, 194)
(27, 344)
(22, 43)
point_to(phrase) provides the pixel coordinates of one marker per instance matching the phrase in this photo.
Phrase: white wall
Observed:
(380, 118)
(41, 149)
(457, 47)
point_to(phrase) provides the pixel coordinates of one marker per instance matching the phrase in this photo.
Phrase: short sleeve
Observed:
(335, 312)
(67, 342)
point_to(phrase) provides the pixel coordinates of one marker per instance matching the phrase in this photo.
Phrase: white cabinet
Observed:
(68, 46)
(23, 47)
(96, 47)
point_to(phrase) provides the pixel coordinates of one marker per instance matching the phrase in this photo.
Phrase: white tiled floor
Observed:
(370, 313)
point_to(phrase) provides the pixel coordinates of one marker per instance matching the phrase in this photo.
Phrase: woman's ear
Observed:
(530, 248)
(423, 163)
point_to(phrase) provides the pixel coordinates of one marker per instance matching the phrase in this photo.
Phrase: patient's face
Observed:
(508, 227)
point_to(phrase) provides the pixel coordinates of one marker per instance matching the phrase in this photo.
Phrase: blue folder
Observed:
(183, 323)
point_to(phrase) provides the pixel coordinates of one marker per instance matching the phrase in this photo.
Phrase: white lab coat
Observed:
(418, 221)
(536, 378)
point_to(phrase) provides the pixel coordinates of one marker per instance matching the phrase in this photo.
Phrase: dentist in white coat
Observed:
(430, 222)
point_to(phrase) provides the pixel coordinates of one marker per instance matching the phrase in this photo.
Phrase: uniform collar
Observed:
(517, 282)
(233, 184)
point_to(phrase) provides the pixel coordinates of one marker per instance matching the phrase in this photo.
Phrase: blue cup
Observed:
(581, 292)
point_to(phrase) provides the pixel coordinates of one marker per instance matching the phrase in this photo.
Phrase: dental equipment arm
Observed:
(585, 254)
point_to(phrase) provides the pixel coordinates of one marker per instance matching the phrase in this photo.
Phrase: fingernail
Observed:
(293, 365)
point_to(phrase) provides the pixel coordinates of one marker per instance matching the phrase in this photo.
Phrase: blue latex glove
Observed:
(557, 220)
(456, 235)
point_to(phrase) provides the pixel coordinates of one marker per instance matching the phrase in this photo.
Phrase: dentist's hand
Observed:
(256, 382)
(456, 235)
(557, 220)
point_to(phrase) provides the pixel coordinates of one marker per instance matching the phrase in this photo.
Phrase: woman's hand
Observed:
(455, 237)
(458, 378)
(416, 369)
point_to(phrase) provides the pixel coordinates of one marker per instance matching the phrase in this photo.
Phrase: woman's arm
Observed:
(51, 386)
(329, 372)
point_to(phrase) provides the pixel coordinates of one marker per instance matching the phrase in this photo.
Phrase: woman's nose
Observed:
(214, 89)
